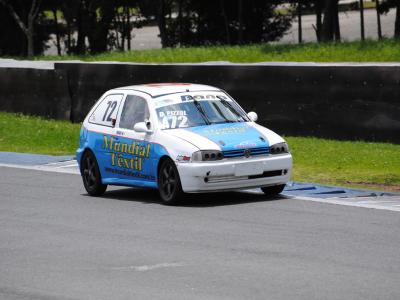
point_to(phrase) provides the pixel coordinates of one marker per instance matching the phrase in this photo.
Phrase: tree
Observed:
(330, 27)
(27, 27)
(299, 19)
(100, 16)
(384, 8)
(378, 19)
(318, 6)
(361, 5)
(228, 22)
(159, 10)
(92, 22)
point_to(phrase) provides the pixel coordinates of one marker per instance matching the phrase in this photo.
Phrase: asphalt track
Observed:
(59, 243)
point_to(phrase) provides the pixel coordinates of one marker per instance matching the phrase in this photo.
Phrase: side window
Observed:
(107, 110)
(135, 110)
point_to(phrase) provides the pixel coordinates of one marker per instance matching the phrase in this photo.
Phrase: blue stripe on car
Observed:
(234, 138)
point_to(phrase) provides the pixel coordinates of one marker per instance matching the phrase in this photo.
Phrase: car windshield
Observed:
(197, 110)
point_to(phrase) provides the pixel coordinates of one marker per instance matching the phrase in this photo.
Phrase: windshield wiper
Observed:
(230, 107)
(201, 111)
(221, 114)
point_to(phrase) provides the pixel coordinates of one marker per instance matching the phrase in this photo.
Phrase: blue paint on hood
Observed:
(232, 136)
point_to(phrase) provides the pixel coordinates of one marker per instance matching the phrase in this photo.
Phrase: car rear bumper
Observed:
(231, 174)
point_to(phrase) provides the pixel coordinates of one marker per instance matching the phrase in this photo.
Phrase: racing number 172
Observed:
(112, 105)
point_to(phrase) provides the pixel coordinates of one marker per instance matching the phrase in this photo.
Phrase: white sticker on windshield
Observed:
(186, 98)
(172, 121)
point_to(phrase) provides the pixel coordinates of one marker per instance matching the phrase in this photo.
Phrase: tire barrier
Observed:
(35, 92)
(341, 101)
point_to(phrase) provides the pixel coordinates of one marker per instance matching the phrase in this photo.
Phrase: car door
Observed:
(133, 158)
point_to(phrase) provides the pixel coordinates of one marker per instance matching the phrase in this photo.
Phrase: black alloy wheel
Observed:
(273, 190)
(91, 175)
(169, 183)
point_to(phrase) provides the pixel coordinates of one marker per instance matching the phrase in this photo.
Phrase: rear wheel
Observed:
(273, 190)
(91, 175)
(169, 183)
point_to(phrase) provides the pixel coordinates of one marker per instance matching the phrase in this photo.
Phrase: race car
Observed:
(178, 138)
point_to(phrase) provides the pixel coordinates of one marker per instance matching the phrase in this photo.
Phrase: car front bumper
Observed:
(231, 174)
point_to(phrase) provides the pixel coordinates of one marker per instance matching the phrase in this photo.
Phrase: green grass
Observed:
(20, 133)
(349, 163)
(374, 165)
(368, 51)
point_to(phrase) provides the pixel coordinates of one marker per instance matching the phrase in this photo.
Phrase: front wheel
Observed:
(169, 183)
(273, 190)
(91, 175)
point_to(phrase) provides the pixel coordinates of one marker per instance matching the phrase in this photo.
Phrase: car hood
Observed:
(225, 137)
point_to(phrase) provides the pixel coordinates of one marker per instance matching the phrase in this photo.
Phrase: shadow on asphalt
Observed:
(149, 196)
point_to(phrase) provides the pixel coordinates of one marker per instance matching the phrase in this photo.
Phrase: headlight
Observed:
(207, 155)
(279, 148)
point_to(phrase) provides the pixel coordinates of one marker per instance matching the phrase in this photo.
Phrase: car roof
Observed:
(161, 89)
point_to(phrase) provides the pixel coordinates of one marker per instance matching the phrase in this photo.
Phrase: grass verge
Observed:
(20, 133)
(354, 164)
(346, 163)
(368, 51)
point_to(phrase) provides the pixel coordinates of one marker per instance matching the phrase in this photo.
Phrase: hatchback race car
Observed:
(178, 138)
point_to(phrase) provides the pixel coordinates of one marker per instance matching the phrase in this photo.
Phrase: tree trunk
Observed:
(397, 23)
(28, 29)
(299, 15)
(226, 23)
(120, 27)
(180, 35)
(80, 44)
(318, 12)
(30, 36)
(328, 25)
(117, 21)
(69, 39)
(362, 20)
(240, 19)
(378, 19)
(161, 24)
(128, 29)
(337, 25)
(56, 29)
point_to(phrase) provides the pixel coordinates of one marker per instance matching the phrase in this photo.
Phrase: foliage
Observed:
(385, 6)
(94, 26)
(12, 38)
(210, 22)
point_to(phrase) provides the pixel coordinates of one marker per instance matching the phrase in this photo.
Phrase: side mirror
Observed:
(252, 116)
(141, 127)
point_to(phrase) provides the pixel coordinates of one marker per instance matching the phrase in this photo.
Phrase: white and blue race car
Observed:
(178, 138)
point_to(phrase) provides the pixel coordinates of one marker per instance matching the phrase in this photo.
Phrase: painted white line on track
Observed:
(373, 203)
(68, 166)
(45, 168)
(62, 162)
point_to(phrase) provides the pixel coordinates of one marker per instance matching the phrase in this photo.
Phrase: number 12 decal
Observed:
(112, 105)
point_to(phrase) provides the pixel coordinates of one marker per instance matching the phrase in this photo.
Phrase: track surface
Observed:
(58, 243)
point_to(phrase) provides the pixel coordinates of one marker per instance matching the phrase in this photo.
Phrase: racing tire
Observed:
(169, 183)
(273, 190)
(91, 175)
